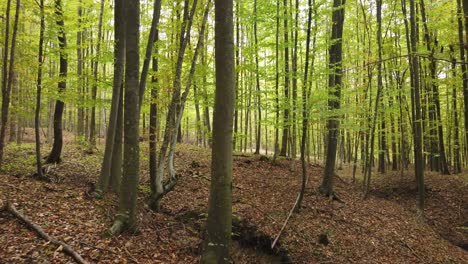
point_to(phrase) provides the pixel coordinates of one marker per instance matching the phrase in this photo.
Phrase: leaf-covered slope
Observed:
(382, 229)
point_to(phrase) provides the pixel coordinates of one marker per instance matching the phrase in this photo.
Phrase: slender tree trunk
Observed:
(460, 14)
(153, 126)
(92, 126)
(79, 67)
(56, 152)
(171, 169)
(294, 81)
(334, 86)
(257, 85)
(171, 128)
(277, 105)
(367, 178)
(416, 102)
(119, 63)
(218, 234)
(37, 117)
(116, 168)
(285, 136)
(456, 143)
(305, 119)
(8, 61)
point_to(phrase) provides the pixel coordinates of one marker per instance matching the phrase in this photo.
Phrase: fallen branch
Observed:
(285, 222)
(65, 247)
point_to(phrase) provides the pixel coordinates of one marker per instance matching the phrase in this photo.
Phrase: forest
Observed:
(222, 131)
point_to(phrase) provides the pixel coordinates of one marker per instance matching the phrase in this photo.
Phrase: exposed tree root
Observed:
(156, 198)
(65, 247)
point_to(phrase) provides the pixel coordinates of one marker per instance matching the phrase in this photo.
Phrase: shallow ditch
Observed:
(248, 243)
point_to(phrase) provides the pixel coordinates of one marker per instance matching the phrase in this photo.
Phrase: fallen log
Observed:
(65, 247)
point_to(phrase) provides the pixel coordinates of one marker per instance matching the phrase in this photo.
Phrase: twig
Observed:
(285, 222)
(131, 256)
(65, 247)
(410, 248)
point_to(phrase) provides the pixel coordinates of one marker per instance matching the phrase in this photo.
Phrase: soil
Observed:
(381, 229)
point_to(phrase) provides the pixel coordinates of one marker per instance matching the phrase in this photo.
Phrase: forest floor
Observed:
(381, 229)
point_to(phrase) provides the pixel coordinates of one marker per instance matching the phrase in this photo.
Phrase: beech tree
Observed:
(126, 217)
(218, 232)
(334, 86)
(8, 71)
(56, 152)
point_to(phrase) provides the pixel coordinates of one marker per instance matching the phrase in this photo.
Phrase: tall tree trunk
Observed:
(153, 123)
(119, 63)
(79, 67)
(277, 104)
(37, 117)
(180, 111)
(285, 136)
(294, 80)
(456, 143)
(334, 86)
(218, 234)
(257, 84)
(8, 68)
(126, 217)
(305, 118)
(171, 128)
(149, 49)
(56, 152)
(116, 167)
(92, 126)
(460, 14)
(368, 174)
(416, 102)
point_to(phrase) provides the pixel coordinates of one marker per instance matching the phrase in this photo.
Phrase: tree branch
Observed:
(65, 247)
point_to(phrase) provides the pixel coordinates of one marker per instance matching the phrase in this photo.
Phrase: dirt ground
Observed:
(381, 229)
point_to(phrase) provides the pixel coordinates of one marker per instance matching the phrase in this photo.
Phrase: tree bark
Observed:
(416, 102)
(37, 117)
(219, 224)
(171, 128)
(334, 86)
(119, 63)
(56, 152)
(8, 61)
(285, 136)
(126, 216)
(257, 85)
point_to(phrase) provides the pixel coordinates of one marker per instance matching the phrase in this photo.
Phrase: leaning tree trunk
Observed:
(305, 118)
(218, 232)
(334, 86)
(56, 152)
(170, 130)
(171, 169)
